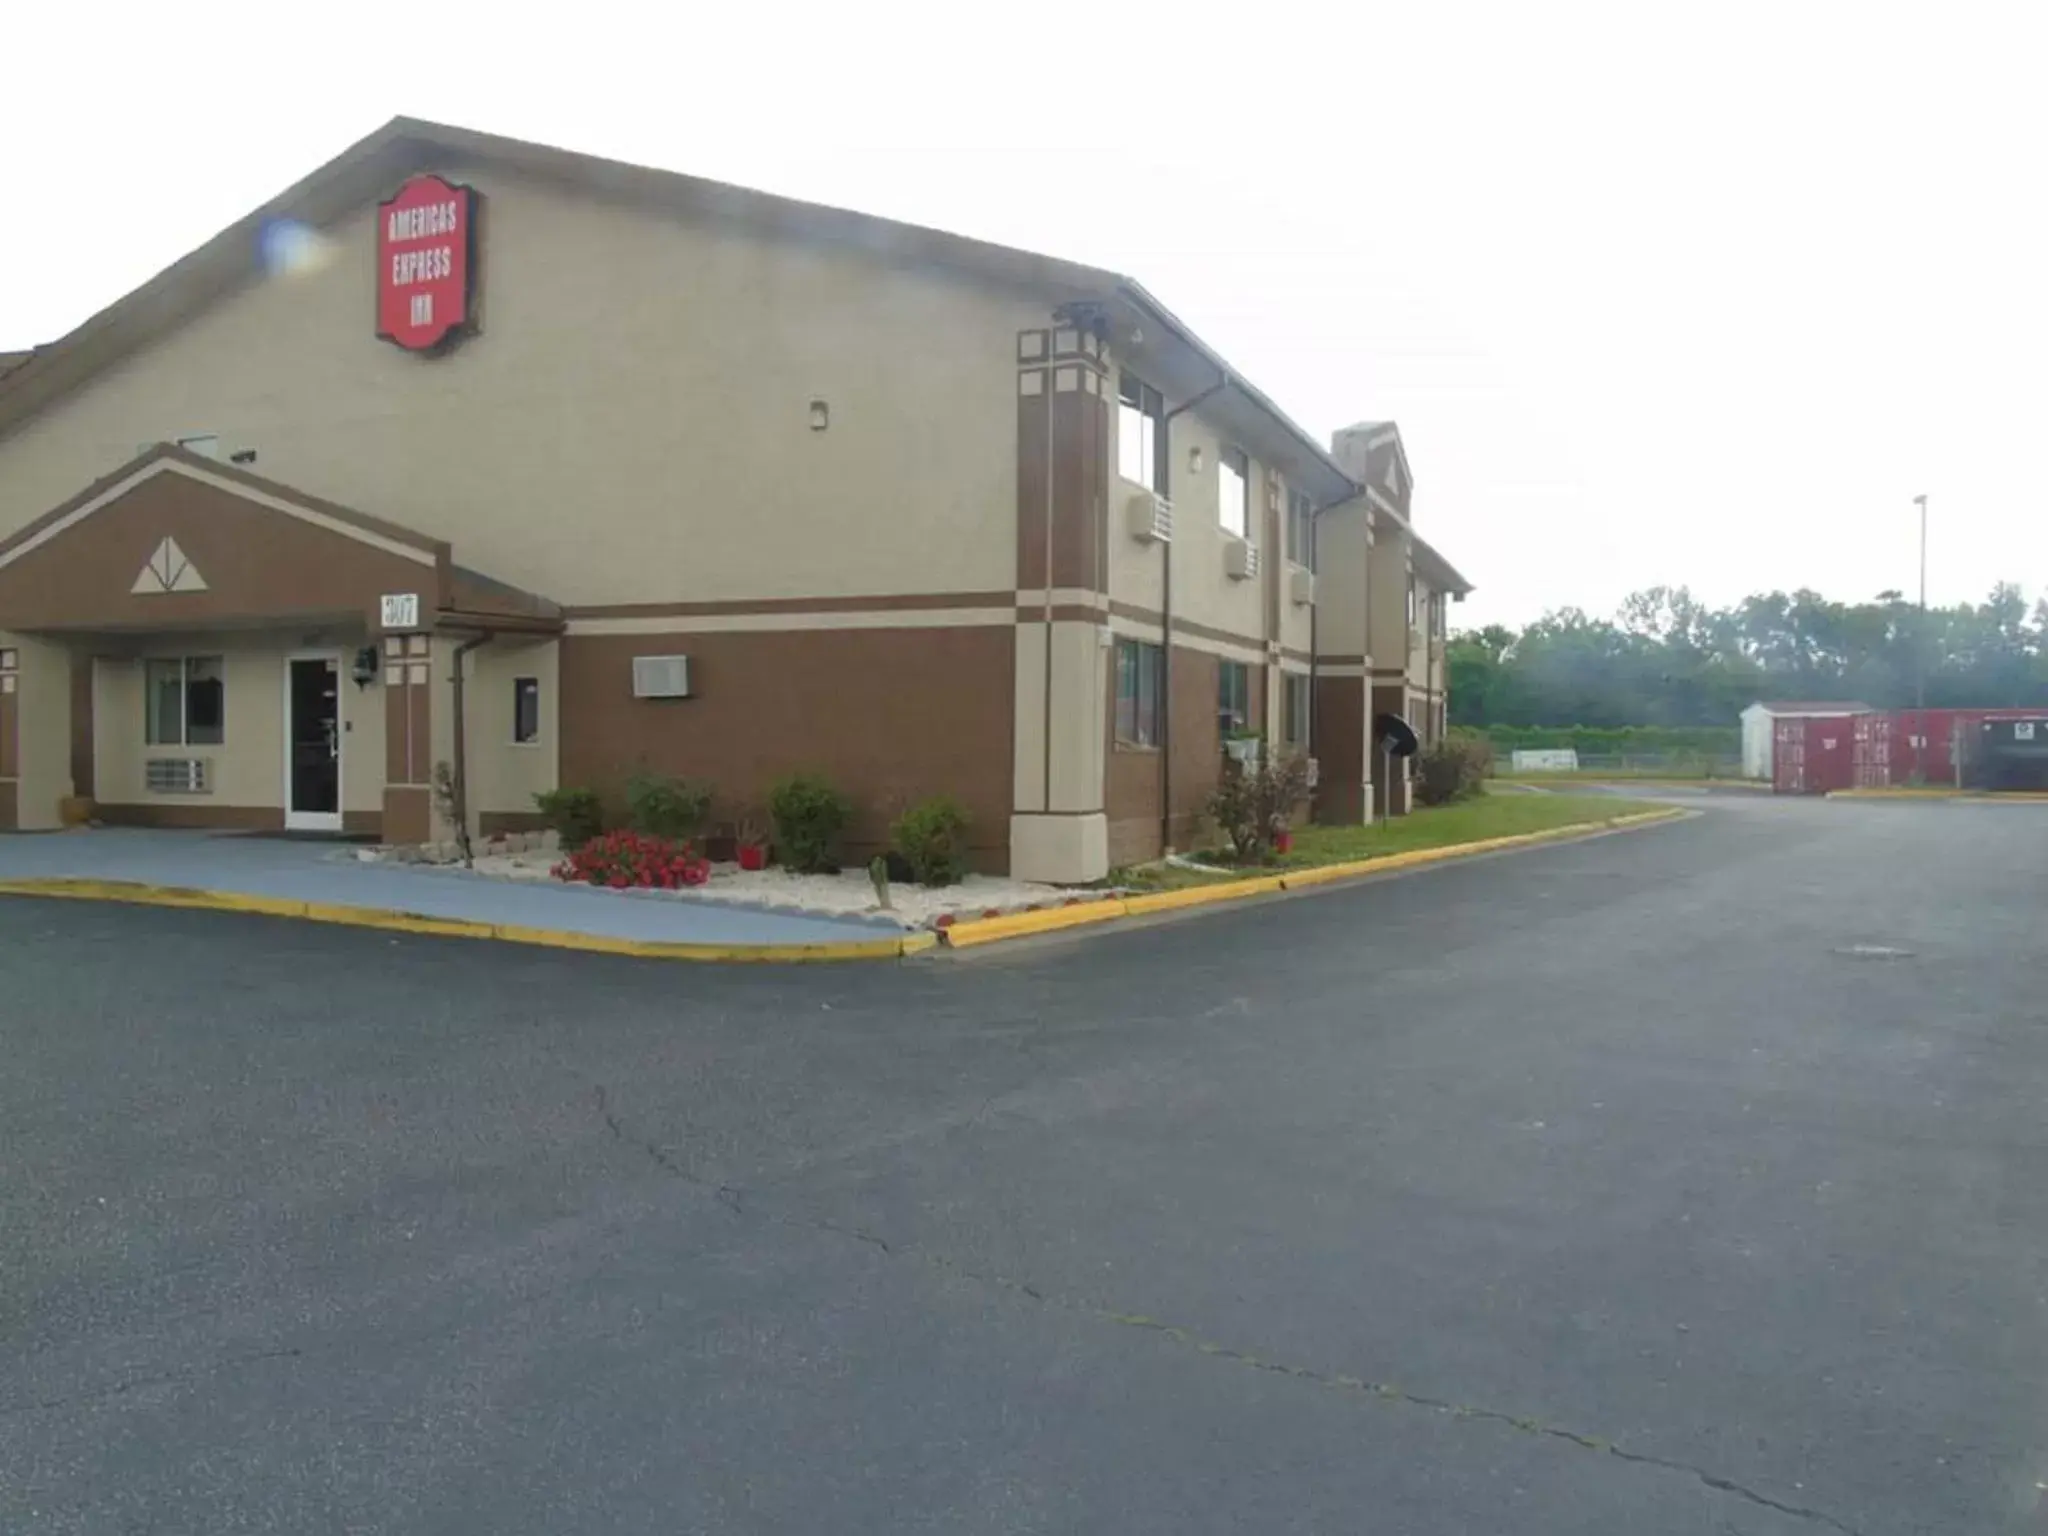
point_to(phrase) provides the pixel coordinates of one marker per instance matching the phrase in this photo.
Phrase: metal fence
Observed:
(1648, 765)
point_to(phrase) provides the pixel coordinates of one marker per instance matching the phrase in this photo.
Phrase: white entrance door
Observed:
(312, 742)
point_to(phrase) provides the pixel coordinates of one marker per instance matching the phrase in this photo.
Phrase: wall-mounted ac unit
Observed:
(177, 776)
(1240, 559)
(1301, 586)
(661, 677)
(1149, 517)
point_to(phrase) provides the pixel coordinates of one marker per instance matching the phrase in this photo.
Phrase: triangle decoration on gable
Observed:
(169, 571)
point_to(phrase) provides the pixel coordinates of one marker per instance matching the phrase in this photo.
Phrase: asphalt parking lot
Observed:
(1684, 1180)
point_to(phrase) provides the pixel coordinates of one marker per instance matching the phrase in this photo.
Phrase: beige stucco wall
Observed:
(1418, 637)
(505, 775)
(43, 716)
(1341, 537)
(1202, 594)
(1388, 599)
(631, 426)
(248, 764)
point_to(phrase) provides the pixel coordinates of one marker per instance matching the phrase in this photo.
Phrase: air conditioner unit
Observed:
(1240, 559)
(1149, 517)
(661, 677)
(177, 776)
(1301, 586)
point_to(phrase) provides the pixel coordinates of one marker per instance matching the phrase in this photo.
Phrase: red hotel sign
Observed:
(426, 263)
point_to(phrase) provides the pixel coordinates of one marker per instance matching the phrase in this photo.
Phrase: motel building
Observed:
(471, 452)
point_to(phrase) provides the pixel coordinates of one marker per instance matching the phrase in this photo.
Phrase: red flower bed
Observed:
(627, 860)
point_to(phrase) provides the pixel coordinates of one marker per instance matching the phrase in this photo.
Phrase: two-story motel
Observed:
(551, 469)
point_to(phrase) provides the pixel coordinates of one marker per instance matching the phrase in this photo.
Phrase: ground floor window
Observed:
(525, 710)
(1138, 673)
(1233, 697)
(1296, 713)
(185, 702)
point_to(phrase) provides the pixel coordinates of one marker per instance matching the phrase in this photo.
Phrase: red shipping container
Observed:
(1813, 754)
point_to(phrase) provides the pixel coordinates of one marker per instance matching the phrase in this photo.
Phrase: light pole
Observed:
(1920, 647)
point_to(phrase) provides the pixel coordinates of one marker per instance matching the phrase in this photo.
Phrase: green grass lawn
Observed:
(1619, 776)
(1471, 821)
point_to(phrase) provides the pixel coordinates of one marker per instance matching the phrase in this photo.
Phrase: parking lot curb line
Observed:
(1017, 925)
(139, 893)
(1976, 796)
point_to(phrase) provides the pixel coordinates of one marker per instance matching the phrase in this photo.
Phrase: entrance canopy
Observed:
(173, 541)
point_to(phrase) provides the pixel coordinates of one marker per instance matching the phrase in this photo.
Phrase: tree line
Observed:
(1666, 659)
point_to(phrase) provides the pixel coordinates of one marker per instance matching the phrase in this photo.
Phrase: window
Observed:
(1141, 433)
(1137, 693)
(1411, 606)
(1297, 731)
(1301, 529)
(1233, 696)
(1234, 491)
(184, 702)
(525, 709)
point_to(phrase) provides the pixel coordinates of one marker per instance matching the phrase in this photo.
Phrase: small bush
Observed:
(932, 837)
(625, 859)
(1454, 768)
(809, 814)
(663, 806)
(575, 815)
(1254, 801)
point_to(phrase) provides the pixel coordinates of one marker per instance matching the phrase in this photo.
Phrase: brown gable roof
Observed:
(395, 532)
(370, 168)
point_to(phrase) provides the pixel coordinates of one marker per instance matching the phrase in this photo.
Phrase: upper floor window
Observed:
(1140, 433)
(1411, 605)
(1301, 529)
(1234, 491)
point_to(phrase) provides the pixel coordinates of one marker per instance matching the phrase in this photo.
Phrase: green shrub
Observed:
(575, 815)
(932, 837)
(1253, 802)
(809, 814)
(663, 806)
(1454, 768)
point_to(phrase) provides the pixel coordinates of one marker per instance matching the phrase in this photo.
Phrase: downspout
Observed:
(460, 773)
(1166, 623)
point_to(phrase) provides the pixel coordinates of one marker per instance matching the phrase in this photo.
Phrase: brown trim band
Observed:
(1182, 626)
(1065, 613)
(223, 818)
(907, 601)
(1337, 661)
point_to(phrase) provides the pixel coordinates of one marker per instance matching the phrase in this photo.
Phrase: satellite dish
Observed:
(1395, 735)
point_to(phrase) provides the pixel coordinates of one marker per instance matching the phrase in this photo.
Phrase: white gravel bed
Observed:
(849, 893)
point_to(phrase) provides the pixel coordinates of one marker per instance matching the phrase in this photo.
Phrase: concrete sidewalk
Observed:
(276, 875)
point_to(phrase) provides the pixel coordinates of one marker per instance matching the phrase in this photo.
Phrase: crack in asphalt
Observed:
(152, 1379)
(734, 1200)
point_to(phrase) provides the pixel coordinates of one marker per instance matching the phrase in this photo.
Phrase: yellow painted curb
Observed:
(1897, 792)
(1203, 895)
(1017, 925)
(1014, 925)
(136, 893)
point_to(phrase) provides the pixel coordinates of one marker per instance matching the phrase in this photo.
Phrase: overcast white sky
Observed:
(1702, 301)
